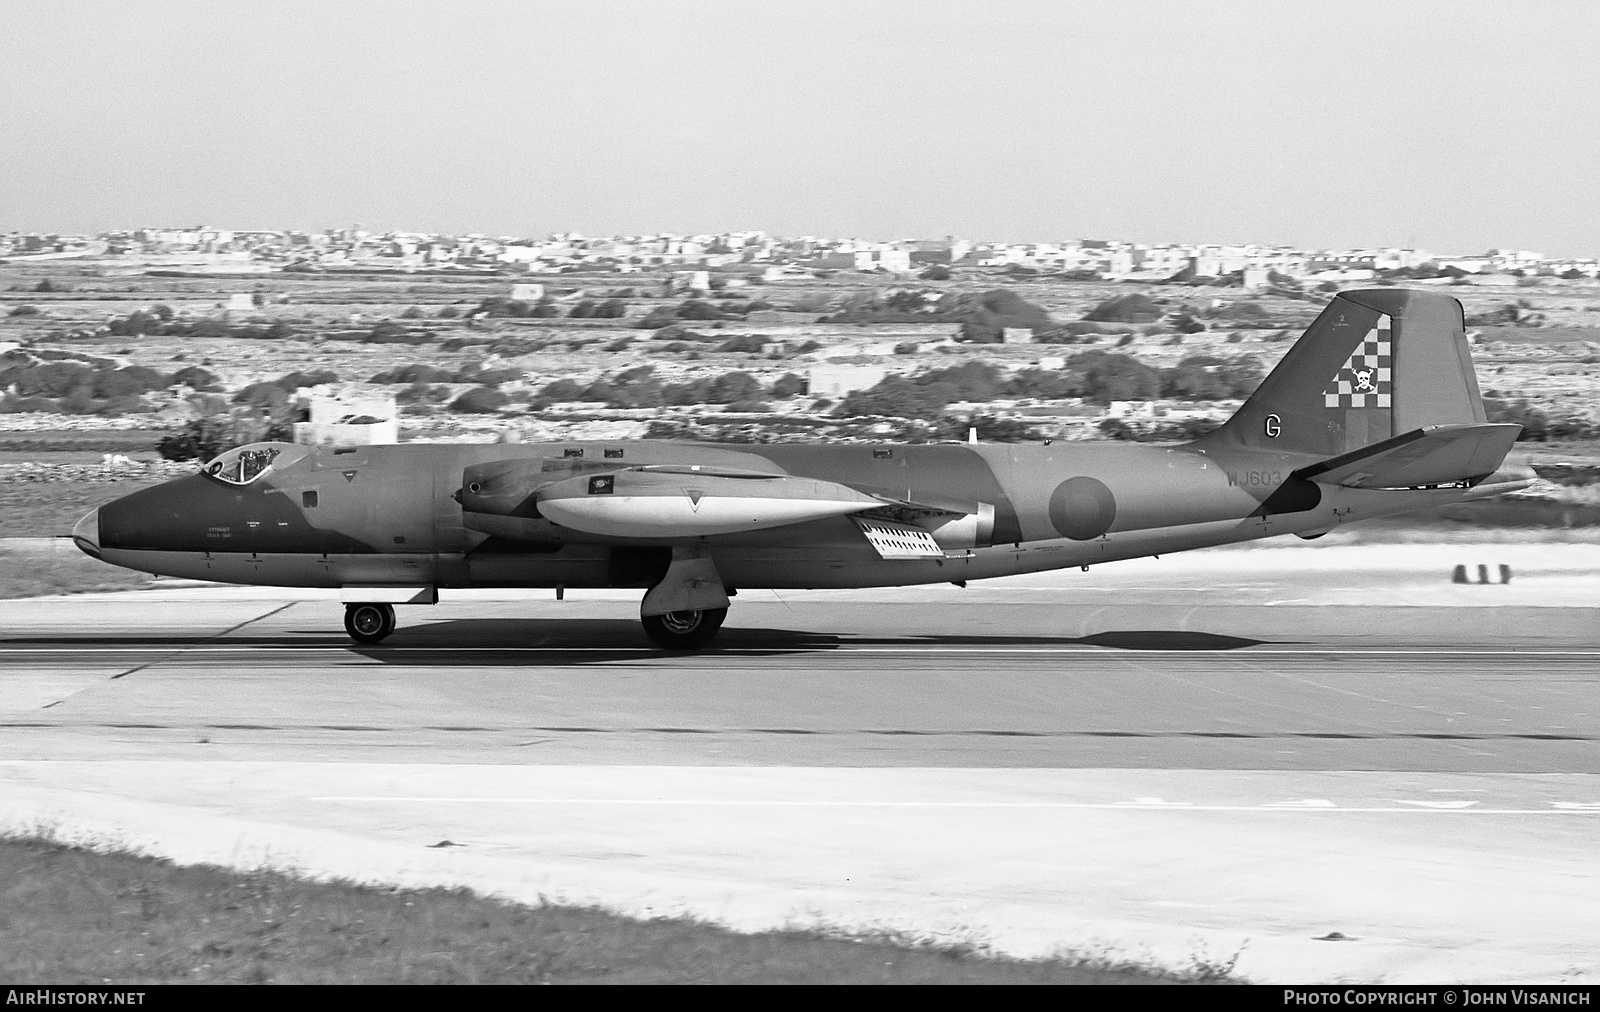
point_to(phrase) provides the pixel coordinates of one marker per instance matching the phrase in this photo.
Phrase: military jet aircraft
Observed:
(1374, 411)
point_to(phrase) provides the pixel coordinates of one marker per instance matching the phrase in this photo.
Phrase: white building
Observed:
(828, 380)
(1131, 409)
(897, 261)
(350, 420)
(691, 281)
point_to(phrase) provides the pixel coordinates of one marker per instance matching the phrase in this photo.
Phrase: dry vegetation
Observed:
(73, 916)
(157, 350)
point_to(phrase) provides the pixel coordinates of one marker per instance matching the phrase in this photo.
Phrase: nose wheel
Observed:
(368, 623)
(684, 630)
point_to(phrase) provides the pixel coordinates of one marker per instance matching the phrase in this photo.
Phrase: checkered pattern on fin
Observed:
(1365, 379)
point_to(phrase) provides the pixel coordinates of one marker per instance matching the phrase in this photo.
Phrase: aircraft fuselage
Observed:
(391, 515)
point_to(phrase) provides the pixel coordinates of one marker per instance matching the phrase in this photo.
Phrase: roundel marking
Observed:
(1082, 508)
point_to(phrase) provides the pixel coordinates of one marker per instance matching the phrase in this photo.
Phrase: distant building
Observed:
(896, 261)
(832, 261)
(1472, 265)
(939, 251)
(350, 420)
(1353, 260)
(1588, 268)
(1119, 262)
(828, 380)
(691, 281)
(527, 293)
(1395, 259)
(1017, 335)
(171, 236)
(1131, 409)
(241, 302)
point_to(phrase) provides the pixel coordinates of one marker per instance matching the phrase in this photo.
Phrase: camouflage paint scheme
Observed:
(457, 516)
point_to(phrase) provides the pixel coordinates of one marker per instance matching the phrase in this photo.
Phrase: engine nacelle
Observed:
(684, 502)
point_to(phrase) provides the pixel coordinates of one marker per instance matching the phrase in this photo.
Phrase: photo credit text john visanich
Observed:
(1440, 996)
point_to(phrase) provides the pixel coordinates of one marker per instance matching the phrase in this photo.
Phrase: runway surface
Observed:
(1163, 760)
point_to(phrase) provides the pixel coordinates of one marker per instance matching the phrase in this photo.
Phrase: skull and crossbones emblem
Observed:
(1363, 380)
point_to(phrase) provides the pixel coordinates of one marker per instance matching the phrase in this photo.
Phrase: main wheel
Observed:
(368, 623)
(684, 630)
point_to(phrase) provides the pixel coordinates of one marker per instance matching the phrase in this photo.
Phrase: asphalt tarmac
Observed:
(1186, 761)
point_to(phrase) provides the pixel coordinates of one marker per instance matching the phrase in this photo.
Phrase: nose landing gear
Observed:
(368, 623)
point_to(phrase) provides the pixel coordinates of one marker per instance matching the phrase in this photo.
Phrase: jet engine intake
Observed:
(502, 488)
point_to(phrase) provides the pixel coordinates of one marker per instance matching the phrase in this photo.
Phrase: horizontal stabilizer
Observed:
(1435, 455)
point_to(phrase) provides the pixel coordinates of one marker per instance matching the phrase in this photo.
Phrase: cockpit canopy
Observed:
(244, 464)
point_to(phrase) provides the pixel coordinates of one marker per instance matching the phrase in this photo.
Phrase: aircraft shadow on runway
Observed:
(596, 641)
(525, 641)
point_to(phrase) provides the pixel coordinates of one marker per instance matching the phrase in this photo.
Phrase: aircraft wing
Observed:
(906, 500)
(1435, 455)
(673, 501)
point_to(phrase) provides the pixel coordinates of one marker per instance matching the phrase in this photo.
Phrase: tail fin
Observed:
(1374, 365)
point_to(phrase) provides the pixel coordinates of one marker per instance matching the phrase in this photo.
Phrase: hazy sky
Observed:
(1452, 126)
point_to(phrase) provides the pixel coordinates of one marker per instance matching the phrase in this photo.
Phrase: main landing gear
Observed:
(686, 608)
(684, 630)
(368, 623)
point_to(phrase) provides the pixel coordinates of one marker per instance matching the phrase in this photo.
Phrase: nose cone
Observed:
(87, 533)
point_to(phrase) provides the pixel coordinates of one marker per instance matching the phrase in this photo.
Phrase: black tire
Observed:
(368, 623)
(684, 630)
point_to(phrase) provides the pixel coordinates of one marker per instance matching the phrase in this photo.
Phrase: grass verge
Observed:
(70, 915)
(35, 567)
(43, 509)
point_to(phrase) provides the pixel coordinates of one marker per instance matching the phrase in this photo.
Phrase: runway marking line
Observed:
(179, 651)
(1558, 808)
(1462, 736)
(843, 647)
